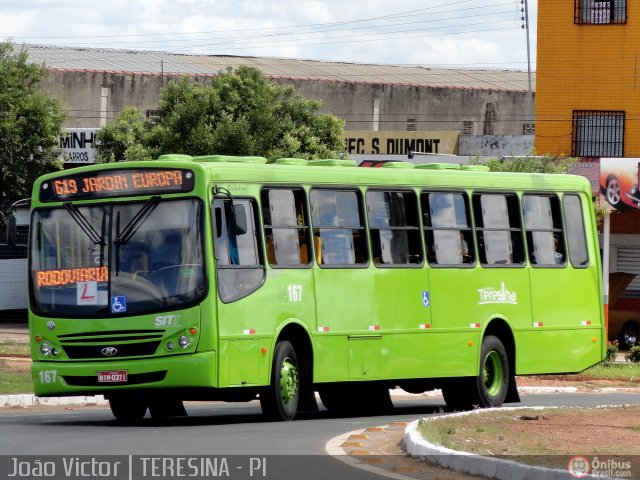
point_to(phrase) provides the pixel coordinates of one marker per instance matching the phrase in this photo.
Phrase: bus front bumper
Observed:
(196, 370)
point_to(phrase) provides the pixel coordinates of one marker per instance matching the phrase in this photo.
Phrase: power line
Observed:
(283, 39)
(260, 29)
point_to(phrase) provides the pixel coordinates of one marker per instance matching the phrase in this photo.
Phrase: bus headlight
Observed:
(184, 341)
(45, 348)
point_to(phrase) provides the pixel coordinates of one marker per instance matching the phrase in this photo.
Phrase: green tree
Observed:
(537, 164)
(30, 126)
(240, 113)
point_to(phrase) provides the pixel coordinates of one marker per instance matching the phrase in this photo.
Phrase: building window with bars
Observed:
(598, 134)
(600, 12)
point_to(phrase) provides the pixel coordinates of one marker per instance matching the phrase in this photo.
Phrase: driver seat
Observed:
(167, 253)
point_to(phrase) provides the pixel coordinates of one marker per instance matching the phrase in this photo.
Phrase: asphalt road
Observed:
(222, 429)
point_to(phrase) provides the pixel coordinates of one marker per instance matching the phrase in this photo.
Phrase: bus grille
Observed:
(109, 344)
(111, 335)
(120, 350)
(132, 379)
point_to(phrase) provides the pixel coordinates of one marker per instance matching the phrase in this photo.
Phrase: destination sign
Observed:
(115, 183)
(70, 276)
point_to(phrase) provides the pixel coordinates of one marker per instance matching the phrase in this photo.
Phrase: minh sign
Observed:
(77, 145)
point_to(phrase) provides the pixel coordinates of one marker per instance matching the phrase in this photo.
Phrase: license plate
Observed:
(112, 376)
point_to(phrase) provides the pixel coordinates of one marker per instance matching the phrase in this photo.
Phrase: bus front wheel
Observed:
(279, 401)
(127, 410)
(489, 388)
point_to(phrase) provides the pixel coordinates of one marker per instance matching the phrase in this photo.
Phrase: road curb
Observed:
(28, 400)
(474, 464)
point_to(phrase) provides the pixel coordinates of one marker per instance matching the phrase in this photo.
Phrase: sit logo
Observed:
(168, 320)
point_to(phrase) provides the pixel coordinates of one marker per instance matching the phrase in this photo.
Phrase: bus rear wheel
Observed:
(489, 388)
(279, 401)
(493, 380)
(127, 410)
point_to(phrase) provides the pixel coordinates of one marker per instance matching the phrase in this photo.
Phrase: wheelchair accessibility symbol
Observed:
(426, 300)
(118, 304)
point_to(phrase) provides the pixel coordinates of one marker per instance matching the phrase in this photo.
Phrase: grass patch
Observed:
(615, 371)
(539, 437)
(14, 380)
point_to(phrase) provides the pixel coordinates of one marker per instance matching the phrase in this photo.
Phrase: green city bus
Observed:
(230, 278)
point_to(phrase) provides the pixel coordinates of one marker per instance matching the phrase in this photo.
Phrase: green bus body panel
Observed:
(364, 323)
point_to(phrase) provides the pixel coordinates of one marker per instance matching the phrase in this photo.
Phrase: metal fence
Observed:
(13, 285)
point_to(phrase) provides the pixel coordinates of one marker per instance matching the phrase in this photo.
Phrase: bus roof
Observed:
(217, 168)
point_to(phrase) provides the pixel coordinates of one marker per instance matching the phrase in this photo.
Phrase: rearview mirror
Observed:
(239, 220)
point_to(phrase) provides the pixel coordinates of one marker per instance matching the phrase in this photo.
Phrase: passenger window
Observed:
(498, 228)
(338, 227)
(574, 223)
(394, 228)
(543, 224)
(447, 229)
(238, 259)
(286, 227)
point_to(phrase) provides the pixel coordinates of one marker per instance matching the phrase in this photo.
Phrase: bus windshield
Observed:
(114, 259)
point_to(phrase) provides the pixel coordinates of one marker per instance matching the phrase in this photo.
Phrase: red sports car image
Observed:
(619, 182)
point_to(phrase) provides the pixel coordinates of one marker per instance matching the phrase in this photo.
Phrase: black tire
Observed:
(628, 335)
(489, 388)
(279, 401)
(493, 381)
(128, 410)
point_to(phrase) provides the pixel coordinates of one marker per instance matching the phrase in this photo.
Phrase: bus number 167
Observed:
(295, 293)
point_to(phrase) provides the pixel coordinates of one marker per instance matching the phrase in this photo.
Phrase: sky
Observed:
(451, 33)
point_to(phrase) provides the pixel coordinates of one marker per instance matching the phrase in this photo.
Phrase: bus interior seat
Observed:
(271, 251)
(304, 254)
(317, 245)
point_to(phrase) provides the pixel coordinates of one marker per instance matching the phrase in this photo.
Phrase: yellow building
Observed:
(588, 78)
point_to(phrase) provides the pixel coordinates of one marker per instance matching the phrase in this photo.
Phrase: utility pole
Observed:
(525, 18)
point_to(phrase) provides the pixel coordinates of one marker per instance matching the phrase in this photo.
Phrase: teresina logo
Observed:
(491, 295)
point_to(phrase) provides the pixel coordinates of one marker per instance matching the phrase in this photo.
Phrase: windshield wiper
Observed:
(132, 227)
(84, 224)
(87, 228)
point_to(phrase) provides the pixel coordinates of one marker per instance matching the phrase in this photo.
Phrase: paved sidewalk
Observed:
(381, 450)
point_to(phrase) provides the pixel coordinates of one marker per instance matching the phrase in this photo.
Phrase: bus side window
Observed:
(543, 224)
(337, 218)
(240, 266)
(286, 228)
(232, 248)
(394, 228)
(447, 229)
(574, 223)
(499, 232)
